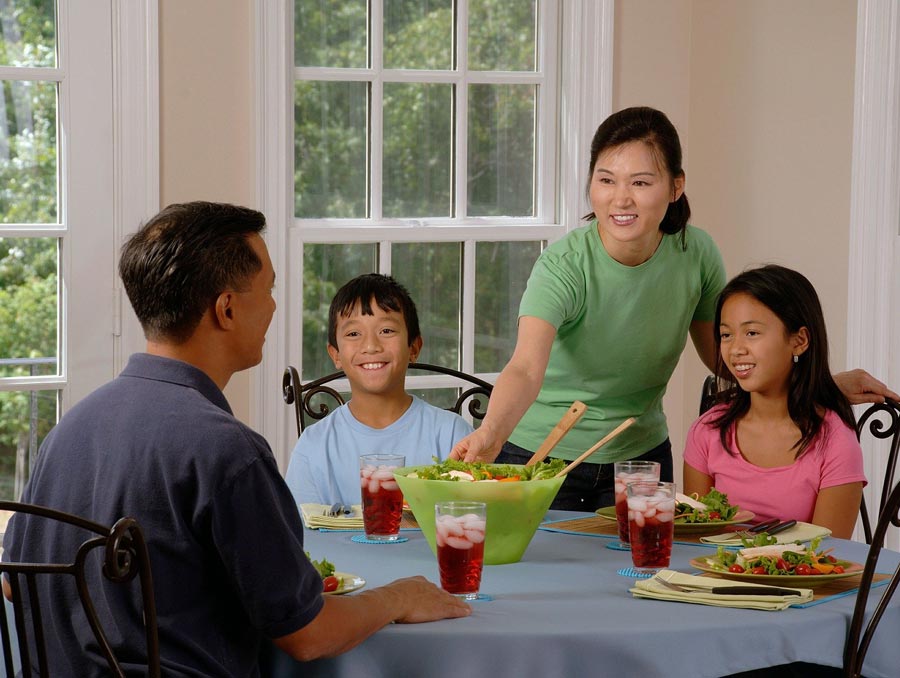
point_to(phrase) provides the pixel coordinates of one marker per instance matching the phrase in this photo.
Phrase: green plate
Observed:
(692, 528)
(806, 581)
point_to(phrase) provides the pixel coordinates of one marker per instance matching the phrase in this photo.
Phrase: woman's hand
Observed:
(861, 387)
(477, 446)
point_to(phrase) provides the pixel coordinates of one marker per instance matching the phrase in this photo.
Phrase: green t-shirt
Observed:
(620, 332)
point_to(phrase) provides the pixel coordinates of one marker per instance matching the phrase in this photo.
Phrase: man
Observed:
(160, 443)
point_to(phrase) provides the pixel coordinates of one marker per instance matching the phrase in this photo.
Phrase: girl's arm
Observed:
(515, 391)
(837, 508)
(696, 481)
(705, 342)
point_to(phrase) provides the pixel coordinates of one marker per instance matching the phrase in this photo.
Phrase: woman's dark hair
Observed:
(388, 294)
(642, 123)
(791, 297)
(181, 260)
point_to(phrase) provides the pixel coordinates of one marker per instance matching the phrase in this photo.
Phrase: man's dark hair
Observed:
(388, 294)
(178, 263)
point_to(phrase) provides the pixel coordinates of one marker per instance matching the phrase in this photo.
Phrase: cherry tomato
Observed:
(714, 515)
(838, 569)
(782, 564)
(330, 584)
(736, 568)
(804, 570)
(759, 569)
(831, 559)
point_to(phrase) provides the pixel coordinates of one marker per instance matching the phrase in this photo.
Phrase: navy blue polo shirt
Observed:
(160, 443)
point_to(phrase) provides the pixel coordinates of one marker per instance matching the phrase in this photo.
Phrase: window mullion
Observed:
(468, 307)
(376, 109)
(461, 124)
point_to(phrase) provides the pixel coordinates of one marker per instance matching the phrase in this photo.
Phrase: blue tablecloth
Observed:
(563, 611)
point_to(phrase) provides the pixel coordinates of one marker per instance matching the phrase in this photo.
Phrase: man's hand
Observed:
(421, 601)
(861, 387)
(477, 446)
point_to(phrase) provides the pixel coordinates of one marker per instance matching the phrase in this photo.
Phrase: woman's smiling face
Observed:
(630, 193)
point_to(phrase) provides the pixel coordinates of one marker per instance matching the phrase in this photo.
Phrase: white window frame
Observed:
(107, 140)
(584, 72)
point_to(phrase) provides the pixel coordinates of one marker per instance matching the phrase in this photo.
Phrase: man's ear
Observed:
(224, 310)
(415, 348)
(335, 356)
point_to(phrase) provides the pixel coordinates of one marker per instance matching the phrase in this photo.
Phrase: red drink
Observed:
(382, 501)
(460, 551)
(630, 472)
(650, 518)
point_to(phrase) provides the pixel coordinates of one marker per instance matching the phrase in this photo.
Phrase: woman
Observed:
(606, 314)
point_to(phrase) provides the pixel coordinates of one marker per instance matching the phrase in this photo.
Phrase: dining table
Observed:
(565, 610)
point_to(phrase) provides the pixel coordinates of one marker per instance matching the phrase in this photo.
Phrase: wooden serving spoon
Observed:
(568, 420)
(605, 439)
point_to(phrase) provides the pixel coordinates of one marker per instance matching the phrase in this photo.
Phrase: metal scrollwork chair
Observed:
(471, 389)
(125, 558)
(883, 421)
(858, 640)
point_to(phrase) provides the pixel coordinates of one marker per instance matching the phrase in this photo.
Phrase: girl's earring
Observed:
(796, 359)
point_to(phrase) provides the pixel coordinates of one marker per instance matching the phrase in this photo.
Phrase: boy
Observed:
(373, 336)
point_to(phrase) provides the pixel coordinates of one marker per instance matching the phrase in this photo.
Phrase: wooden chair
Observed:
(125, 558)
(858, 640)
(883, 421)
(470, 388)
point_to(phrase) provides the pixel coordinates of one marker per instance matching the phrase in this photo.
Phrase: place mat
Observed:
(313, 519)
(837, 588)
(598, 526)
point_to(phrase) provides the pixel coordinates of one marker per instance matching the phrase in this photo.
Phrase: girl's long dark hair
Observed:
(791, 297)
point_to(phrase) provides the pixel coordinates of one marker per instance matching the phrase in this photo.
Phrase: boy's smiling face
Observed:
(374, 351)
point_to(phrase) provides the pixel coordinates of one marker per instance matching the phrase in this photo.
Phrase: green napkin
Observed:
(799, 532)
(315, 517)
(648, 588)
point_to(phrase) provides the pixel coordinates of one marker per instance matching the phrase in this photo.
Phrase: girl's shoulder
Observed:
(833, 427)
(707, 420)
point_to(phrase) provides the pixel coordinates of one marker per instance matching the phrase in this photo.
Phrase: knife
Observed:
(753, 591)
(782, 527)
(762, 527)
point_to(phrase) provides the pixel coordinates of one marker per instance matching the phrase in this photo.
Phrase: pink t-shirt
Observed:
(788, 492)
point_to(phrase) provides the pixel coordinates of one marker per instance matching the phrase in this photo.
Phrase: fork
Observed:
(750, 532)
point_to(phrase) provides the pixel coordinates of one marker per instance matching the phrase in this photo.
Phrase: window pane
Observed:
(28, 152)
(501, 271)
(436, 294)
(28, 33)
(331, 34)
(28, 307)
(25, 419)
(501, 35)
(418, 34)
(330, 146)
(418, 144)
(501, 150)
(325, 269)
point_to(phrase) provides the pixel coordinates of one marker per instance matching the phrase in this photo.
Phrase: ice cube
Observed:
(638, 519)
(374, 486)
(390, 485)
(475, 536)
(460, 543)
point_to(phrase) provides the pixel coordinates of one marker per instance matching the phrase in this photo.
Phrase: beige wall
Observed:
(206, 133)
(761, 92)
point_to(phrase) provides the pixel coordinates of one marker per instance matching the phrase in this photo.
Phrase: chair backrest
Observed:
(125, 558)
(858, 640)
(473, 390)
(883, 421)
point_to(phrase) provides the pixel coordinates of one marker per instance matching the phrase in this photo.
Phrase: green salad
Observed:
(778, 559)
(717, 509)
(461, 471)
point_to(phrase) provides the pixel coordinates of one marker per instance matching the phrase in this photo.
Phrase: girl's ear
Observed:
(800, 341)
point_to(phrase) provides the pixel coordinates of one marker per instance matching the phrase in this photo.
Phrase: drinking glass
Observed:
(625, 472)
(651, 515)
(382, 501)
(459, 535)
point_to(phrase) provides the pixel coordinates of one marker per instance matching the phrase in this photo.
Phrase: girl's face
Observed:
(630, 193)
(757, 347)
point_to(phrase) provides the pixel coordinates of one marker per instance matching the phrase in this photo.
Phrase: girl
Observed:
(781, 443)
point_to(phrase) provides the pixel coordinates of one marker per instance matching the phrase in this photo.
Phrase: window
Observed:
(430, 142)
(58, 318)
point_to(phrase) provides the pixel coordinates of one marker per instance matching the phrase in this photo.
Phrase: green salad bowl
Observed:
(514, 509)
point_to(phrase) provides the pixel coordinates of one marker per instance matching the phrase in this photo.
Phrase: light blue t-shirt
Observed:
(324, 466)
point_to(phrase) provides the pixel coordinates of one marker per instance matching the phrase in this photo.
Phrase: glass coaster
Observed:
(363, 539)
(635, 573)
(617, 545)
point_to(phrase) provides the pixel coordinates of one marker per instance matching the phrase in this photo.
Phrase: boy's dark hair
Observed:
(642, 123)
(388, 294)
(180, 261)
(791, 297)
